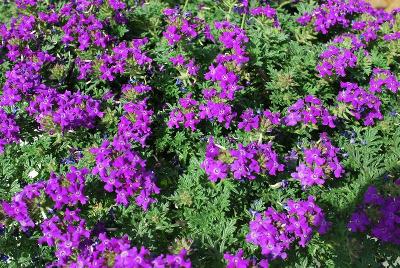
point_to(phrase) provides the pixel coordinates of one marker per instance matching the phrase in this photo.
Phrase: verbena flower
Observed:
(124, 172)
(319, 163)
(378, 215)
(275, 232)
(309, 110)
(245, 162)
(362, 104)
(9, 130)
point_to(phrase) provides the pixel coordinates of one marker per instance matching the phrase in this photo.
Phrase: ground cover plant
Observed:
(199, 134)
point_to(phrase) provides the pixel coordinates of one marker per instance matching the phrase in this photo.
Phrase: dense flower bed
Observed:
(199, 134)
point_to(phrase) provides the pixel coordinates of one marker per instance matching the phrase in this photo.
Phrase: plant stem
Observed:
(229, 12)
(220, 146)
(260, 138)
(284, 4)
(185, 5)
(243, 20)
(43, 213)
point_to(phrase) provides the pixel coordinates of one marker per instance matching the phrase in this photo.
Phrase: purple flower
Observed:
(331, 14)
(359, 222)
(8, 130)
(372, 196)
(212, 150)
(364, 105)
(275, 232)
(245, 162)
(217, 170)
(314, 156)
(309, 110)
(178, 60)
(135, 124)
(379, 214)
(303, 174)
(382, 79)
(124, 172)
(177, 261)
(267, 12)
(249, 120)
(67, 195)
(68, 110)
(171, 35)
(320, 163)
(237, 260)
(335, 60)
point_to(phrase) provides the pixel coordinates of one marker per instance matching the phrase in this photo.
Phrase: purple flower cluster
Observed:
(51, 17)
(50, 108)
(67, 110)
(379, 214)
(118, 253)
(363, 24)
(350, 41)
(238, 261)
(233, 39)
(84, 68)
(341, 54)
(246, 162)
(23, 4)
(392, 36)
(309, 110)
(220, 112)
(66, 234)
(320, 161)
(68, 190)
(383, 79)
(223, 75)
(266, 11)
(134, 124)
(124, 172)
(189, 114)
(123, 57)
(356, 16)
(187, 68)
(183, 26)
(362, 104)
(24, 79)
(19, 29)
(276, 231)
(76, 245)
(117, 5)
(265, 122)
(215, 105)
(8, 130)
(132, 92)
(369, 25)
(78, 25)
(63, 191)
(336, 12)
(22, 203)
(186, 114)
(335, 60)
